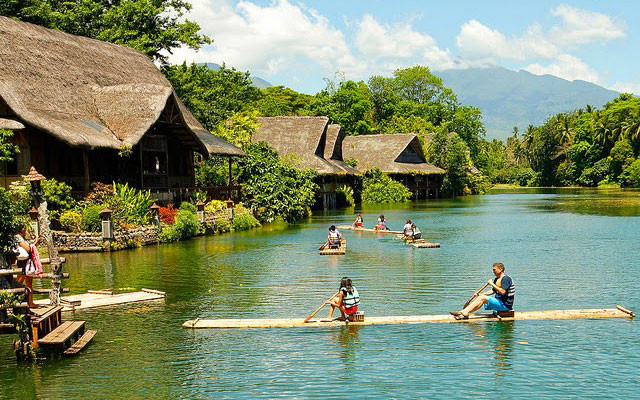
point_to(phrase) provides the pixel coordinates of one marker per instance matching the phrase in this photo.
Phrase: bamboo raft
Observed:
(352, 228)
(326, 251)
(419, 243)
(598, 313)
(105, 298)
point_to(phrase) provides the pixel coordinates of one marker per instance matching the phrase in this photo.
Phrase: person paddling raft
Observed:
(334, 238)
(346, 300)
(504, 290)
(382, 223)
(359, 221)
(407, 231)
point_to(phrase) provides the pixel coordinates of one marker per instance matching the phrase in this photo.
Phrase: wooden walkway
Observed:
(412, 319)
(99, 298)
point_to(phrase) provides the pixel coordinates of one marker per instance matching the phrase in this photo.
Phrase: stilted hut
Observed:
(83, 110)
(400, 156)
(310, 142)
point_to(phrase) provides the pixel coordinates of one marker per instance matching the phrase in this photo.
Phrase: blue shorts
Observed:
(495, 304)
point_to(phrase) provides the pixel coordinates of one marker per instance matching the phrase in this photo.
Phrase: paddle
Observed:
(475, 295)
(323, 246)
(321, 307)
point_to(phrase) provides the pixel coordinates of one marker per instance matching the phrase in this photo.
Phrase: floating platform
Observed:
(411, 319)
(419, 243)
(95, 299)
(352, 228)
(326, 251)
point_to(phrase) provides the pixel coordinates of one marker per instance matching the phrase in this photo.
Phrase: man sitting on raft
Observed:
(359, 221)
(504, 289)
(334, 238)
(406, 230)
(382, 223)
(346, 300)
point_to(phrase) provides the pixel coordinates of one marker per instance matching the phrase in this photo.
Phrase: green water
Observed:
(564, 249)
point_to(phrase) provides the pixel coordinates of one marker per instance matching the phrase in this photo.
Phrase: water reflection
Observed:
(499, 338)
(347, 337)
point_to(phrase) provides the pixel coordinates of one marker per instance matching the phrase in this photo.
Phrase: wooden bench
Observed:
(80, 344)
(63, 334)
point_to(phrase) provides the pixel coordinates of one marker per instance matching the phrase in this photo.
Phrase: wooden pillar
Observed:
(85, 158)
(230, 174)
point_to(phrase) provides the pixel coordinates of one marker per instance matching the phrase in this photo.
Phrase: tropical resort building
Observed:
(309, 142)
(398, 155)
(83, 111)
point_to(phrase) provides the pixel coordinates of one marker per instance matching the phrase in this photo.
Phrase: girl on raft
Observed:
(346, 300)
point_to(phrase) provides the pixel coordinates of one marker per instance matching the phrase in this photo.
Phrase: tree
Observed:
(345, 103)
(8, 223)
(378, 187)
(7, 148)
(279, 100)
(155, 27)
(212, 96)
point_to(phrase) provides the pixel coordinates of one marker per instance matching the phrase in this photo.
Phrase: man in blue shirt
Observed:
(504, 290)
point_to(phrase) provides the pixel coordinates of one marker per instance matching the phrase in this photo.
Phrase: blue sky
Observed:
(298, 43)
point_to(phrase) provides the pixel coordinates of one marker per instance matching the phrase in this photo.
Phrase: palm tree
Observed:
(631, 125)
(564, 131)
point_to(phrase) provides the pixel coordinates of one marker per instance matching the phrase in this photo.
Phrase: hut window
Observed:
(154, 161)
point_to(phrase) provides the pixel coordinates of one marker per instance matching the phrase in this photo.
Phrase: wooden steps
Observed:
(409, 319)
(63, 334)
(80, 344)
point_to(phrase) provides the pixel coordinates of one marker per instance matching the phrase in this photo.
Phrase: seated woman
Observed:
(334, 238)
(346, 300)
(382, 223)
(415, 232)
(359, 221)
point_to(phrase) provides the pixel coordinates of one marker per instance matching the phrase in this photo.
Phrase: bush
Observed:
(186, 226)
(188, 206)
(566, 173)
(243, 219)
(478, 184)
(377, 187)
(167, 214)
(215, 207)
(223, 225)
(598, 172)
(130, 205)
(344, 196)
(70, 221)
(8, 223)
(91, 221)
(57, 195)
(100, 193)
(21, 199)
(631, 174)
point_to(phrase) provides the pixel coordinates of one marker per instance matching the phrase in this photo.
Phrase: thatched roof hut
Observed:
(87, 93)
(392, 154)
(304, 138)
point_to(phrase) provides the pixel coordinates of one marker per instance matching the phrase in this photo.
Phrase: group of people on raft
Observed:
(410, 230)
(498, 299)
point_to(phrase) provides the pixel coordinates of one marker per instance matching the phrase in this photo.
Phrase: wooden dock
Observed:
(411, 319)
(101, 298)
(351, 228)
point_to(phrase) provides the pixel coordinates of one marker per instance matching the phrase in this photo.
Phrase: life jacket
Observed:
(350, 299)
(407, 229)
(334, 236)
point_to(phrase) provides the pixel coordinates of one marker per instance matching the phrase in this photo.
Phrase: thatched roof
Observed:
(85, 92)
(393, 154)
(217, 145)
(12, 124)
(303, 138)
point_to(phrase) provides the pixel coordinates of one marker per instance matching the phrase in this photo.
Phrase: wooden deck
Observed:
(351, 228)
(93, 300)
(414, 319)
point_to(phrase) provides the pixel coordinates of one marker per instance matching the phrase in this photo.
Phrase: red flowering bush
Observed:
(168, 214)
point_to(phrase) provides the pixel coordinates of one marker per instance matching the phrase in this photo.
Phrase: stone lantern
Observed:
(200, 208)
(34, 178)
(33, 215)
(230, 208)
(155, 214)
(107, 227)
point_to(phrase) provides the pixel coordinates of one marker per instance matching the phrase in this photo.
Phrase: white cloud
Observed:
(583, 27)
(268, 39)
(626, 87)
(566, 66)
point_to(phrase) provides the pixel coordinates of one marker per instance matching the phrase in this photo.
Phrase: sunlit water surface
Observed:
(564, 249)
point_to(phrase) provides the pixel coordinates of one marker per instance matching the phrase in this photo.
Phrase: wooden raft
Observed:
(103, 299)
(411, 319)
(339, 251)
(351, 228)
(419, 243)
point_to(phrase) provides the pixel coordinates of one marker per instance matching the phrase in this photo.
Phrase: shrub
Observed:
(598, 172)
(91, 221)
(344, 196)
(352, 162)
(100, 193)
(223, 225)
(70, 221)
(57, 195)
(167, 214)
(377, 187)
(631, 174)
(188, 206)
(566, 173)
(186, 226)
(8, 223)
(215, 207)
(130, 205)
(243, 219)
(19, 193)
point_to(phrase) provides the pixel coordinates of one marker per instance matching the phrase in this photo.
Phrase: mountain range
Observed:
(508, 98)
(257, 82)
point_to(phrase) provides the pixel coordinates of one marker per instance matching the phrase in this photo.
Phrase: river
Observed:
(564, 248)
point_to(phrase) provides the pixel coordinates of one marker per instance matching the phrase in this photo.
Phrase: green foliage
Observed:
(223, 224)
(129, 205)
(621, 154)
(91, 221)
(57, 195)
(215, 207)
(598, 172)
(377, 187)
(153, 27)
(125, 151)
(238, 128)
(344, 196)
(352, 162)
(188, 206)
(213, 171)
(186, 226)
(7, 148)
(19, 193)
(566, 173)
(212, 96)
(278, 100)
(100, 193)
(243, 219)
(345, 103)
(198, 195)
(280, 188)
(8, 223)
(449, 152)
(71, 221)
(631, 174)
